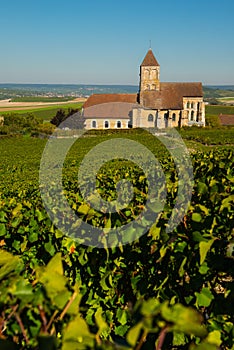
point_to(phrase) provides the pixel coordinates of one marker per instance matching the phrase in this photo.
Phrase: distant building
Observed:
(226, 119)
(157, 104)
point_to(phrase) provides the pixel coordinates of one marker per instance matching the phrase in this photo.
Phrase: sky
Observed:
(105, 41)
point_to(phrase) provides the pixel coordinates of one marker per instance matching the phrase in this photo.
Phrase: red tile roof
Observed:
(226, 119)
(104, 98)
(110, 106)
(170, 95)
(150, 59)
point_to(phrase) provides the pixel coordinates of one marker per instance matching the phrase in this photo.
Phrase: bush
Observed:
(46, 128)
(14, 123)
(212, 121)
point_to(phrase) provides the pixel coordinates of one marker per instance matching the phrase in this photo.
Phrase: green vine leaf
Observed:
(134, 333)
(77, 335)
(204, 298)
(204, 248)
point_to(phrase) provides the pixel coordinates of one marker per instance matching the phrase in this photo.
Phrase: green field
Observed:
(213, 112)
(211, 93)
(45, 113)
(226, 99)
(216, 110)
(22, 155)
(41, 99)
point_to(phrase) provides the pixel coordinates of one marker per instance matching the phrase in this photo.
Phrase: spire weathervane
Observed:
(150, 44)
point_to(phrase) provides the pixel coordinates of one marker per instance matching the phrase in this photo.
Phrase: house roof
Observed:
(226, 119)
(170, 95)
(149, 59)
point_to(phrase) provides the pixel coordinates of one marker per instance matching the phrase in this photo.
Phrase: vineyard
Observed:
(162, 291)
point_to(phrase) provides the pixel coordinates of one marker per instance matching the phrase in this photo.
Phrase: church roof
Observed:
(110, 106)
(170, 95)
(104, 98)
(149, 59)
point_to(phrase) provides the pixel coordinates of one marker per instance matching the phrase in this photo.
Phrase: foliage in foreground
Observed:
(37, 308)
(174, 290)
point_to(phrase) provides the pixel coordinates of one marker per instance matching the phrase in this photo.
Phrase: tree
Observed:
(75, 121)
(59, 117)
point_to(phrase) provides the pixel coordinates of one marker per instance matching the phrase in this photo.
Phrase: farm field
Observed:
(216, 110)
(44, 112)
(227, 100)
(43, 99)
(22, 154)
(213, 112)
(175, 288)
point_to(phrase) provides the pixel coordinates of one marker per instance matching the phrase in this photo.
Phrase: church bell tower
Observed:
(149, 73)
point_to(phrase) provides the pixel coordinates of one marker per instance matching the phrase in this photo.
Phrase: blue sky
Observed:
(104, 42)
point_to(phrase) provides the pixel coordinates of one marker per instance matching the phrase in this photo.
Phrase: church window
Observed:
(150, 118)
(192, 105)
(118, 124)
(147, 74)
(166, 119)
(106, 124)
(173, 117)
(94, 124)
(188, 105)
(192, 115)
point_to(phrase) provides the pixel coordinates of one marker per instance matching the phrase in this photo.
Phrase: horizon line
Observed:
(103, 84)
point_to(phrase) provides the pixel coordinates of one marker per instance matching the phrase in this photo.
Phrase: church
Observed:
(157, 104)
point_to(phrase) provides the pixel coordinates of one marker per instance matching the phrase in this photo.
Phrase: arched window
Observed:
(94, 124)
(156, 74)
(173, 117)
(147, 73)
(119, 124)
(153, 74)
(106, 124)
(166, 119)
(188, 105)
(192, 105)
(150, 118)
(192, 115)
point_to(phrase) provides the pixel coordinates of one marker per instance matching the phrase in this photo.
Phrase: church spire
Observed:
(150, 59)
(149, 74)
